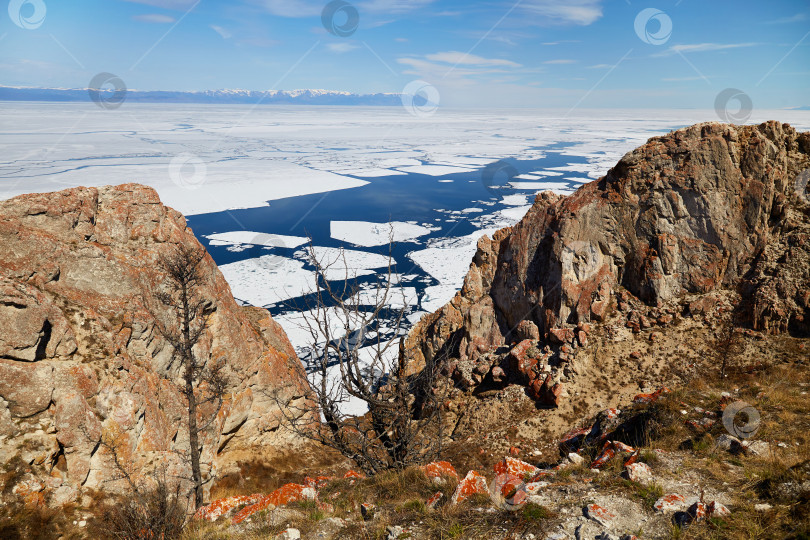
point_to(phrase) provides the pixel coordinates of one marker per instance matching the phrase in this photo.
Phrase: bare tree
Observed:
(203, 382)
(727, 344)
(355, 333)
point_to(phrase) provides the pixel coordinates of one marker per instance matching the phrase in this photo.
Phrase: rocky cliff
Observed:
(704, 208)
(81, 358)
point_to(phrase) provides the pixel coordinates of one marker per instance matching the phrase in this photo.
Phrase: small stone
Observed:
(527, 330)
(729, 444)
(394, 532)
(763, 507)
(560, 335)
(717, 509)
(367, 511)
(639, 472)
(434, 500)
(575, 459)
(757, 448)
(670, 502)
(290, 534)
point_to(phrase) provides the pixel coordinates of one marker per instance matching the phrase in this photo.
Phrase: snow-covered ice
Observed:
(434, 170)
(447, 260)
(367, 234)
(252, 238)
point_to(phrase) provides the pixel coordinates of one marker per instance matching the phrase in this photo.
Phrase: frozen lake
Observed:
(255, 182)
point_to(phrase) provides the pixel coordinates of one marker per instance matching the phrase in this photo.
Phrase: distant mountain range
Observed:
(270, 97)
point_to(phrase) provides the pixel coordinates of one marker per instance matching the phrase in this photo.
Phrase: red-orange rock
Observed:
(222, 507)
(318, 482)
(572, 440)
(652, 397)
(433, 501)
(354, 474)
(282, 496)
(472, 484)
(545, 391)
(515, 467)
(609, 450)
(439, 470)
(560, 335)
(520, 363)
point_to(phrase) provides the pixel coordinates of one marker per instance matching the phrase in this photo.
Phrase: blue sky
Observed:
(531, 53)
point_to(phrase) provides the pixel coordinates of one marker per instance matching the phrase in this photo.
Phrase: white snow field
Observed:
(204, 158)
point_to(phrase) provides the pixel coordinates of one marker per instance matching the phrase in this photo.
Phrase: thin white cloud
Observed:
(377, 24)
(703, 47)
(601, 66)
(179, 5)
(312, 8)
(431, 71)
(679, 79)
(799, 17)
(221, 31)
(393, 6)
(341, 46)
(580, 12)
(155, 18)
(294, 8)
(460, 58)
(561, 61)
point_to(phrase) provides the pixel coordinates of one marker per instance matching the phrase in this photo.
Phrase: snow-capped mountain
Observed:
(225, 96)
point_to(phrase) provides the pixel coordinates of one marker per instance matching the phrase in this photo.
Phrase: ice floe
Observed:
(367, 234)
(252, 238)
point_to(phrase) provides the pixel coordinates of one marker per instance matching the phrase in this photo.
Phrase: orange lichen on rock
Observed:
(31, 492)
(284, 495)
(599, 514)
(221, 507)
(439, 470)
(473, 483)
(318, 482)
(434, 500)
(609, 450)
(516, 467)
(651, 397)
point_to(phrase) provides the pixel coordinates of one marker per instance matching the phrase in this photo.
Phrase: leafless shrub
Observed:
(154, 511)
(354, 341)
